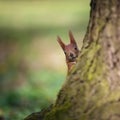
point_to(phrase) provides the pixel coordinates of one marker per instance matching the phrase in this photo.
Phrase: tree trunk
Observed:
(92, 89)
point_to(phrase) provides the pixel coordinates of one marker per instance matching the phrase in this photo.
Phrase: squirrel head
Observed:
(71, 50)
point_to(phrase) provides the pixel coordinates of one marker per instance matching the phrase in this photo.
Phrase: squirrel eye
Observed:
(75, 48)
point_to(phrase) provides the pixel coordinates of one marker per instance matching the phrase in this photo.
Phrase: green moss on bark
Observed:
(58, 112)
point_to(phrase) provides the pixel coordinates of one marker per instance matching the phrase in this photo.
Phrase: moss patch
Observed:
(58, 112)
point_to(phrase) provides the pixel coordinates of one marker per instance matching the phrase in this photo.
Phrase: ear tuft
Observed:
(60, 42)
(72, 40)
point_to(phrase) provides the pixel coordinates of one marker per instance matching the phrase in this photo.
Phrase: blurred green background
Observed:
(32, 64)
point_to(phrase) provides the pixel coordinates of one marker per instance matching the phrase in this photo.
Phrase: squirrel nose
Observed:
(71, 55)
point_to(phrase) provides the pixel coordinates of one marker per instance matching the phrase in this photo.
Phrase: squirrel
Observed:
(71, 51)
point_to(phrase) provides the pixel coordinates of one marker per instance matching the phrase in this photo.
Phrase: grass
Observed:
(32, 66)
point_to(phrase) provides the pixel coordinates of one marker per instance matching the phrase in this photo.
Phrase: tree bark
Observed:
(92, 89)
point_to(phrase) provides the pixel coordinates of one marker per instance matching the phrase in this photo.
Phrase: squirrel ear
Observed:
(72, 40)
(60, 42)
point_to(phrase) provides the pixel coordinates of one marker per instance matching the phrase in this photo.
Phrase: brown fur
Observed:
(71, 51)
